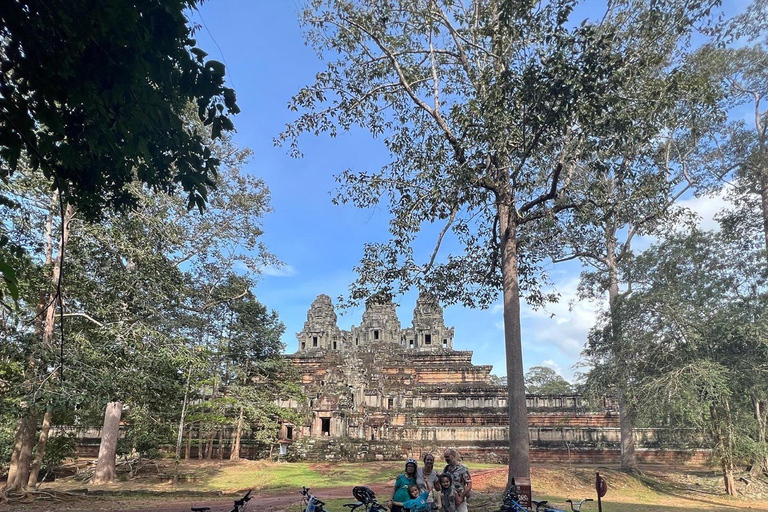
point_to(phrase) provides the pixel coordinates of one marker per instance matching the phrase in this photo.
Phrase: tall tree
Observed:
(541, 380)
(633, 190)
(737, 65)
(697, 319)
(486, 108)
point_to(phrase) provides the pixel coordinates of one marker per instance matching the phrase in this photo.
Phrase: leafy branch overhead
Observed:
(92, 94)
(480, 105)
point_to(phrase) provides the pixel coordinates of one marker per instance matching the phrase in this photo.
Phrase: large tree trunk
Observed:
(13, 468)
(105, 465)
(34, 472)
(21, 455)
(626, 417)
(627, 434)
(24, 440)
(235, 454)
(519, 458)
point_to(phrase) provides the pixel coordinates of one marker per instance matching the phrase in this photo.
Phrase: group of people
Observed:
(421, 489)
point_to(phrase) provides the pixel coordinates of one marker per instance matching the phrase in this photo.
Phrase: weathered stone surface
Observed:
(374, 394)
(320, 330)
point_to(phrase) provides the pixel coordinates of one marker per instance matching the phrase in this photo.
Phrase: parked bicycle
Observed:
(541, 506)
(578, 508)
(365, 497)
(511, 503)
(239, 504)
(310, 503)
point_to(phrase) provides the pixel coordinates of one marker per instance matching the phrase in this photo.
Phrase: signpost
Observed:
(601, 487)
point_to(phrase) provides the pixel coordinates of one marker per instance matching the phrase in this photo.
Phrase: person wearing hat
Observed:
(403, 481)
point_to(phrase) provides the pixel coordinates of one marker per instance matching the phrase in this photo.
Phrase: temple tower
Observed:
(320, 330)
(429, 331)
(380, 325)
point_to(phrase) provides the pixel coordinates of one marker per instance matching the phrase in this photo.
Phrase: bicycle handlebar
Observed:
(578, 509)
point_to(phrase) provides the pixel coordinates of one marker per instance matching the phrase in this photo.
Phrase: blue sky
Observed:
(267, 62)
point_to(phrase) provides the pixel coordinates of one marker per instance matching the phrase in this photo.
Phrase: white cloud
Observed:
(284, 270)
(706, 207)
(552, 364)
(554, 336)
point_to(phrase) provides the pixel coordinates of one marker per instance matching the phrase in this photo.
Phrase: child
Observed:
(448, 494)
(417, 503)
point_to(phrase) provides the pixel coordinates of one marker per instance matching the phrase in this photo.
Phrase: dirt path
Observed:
(261, 502)
(268, 502)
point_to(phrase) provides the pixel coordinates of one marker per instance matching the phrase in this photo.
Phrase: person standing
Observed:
(404, 480)
(460, 478)
(448, 494)
(426, 476)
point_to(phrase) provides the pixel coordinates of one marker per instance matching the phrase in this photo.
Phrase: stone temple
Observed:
(381, 391)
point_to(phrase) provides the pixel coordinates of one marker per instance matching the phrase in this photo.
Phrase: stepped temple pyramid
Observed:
(381, 391)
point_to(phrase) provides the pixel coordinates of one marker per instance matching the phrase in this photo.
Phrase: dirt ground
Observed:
(669, 488)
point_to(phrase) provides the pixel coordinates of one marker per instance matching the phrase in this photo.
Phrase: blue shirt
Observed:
(418, 504)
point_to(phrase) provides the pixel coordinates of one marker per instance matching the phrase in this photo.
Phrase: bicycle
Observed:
(239, 504)
(510, 503)
(310, 503)
(510, 500)
(578, 509)
(539, 504)
(365, 498)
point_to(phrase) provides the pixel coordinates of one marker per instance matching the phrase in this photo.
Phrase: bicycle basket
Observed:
(363, 494)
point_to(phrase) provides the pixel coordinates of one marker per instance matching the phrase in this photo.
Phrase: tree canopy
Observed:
(542, 380)
(92, 94)
(488, 108)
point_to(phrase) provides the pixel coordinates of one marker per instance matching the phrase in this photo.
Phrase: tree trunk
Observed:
(626, 417)
(183, 417)
(764, 201)
(200, 443)
(13, 469)
(34, 472)
(235, 454)
(761, 414)
(209, 446)
(105, 465)
(21, 455)
(519, 458)
(188, 447)
(54, 296)
(723, 445)
(220, 447)
(730, 487)
(627, 434)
